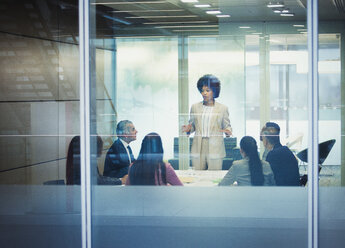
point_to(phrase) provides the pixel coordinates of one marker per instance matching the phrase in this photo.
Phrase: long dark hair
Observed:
(249, 146)
(73, 159)
(146, 168)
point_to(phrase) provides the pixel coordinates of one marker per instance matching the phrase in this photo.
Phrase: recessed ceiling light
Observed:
(277, 11)
(194, 30)
(189, 1)
(147, 10)
(298, 25)
(287, 14)
(222, 16)
(189, 26)
(153, 17)
(213, 12)
(285, 11)
(202, 5)
(155, 23)
(135, 2)
(244, 27)
(275, 5)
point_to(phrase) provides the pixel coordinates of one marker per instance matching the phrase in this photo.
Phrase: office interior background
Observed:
(145, 59)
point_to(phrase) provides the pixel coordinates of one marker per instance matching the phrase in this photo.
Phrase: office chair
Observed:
(324, 150)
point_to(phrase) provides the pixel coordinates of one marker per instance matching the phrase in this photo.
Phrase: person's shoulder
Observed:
(284, 149)
(197, 104)
(168, 166)
(237, 163)
(117, 143)
(115, 146)
(220, 105)
(265, 165)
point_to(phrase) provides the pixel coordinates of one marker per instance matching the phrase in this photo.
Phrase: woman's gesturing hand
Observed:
(227, 132)
(186, 128)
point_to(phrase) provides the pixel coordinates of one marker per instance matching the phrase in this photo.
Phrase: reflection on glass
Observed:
(147, 88)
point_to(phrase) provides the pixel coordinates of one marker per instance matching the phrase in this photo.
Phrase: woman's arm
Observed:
(171, 176)
(226, 127)
(229, 178)
(190, 128)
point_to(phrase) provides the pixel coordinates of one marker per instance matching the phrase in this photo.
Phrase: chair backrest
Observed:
(324, 150)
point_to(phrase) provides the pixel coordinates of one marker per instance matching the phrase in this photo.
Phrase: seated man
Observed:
(276, 128)
(119, 155)
(283, 163)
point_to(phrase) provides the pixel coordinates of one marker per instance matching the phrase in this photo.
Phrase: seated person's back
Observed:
(250, 171)
(283, 162)
(284, 166)
(149, 168)
(239, 172)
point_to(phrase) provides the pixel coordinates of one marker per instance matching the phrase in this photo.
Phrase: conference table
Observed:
(200, 177)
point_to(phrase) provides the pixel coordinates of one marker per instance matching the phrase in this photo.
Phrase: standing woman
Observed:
(149, 168)
(209, 120)
(250, 171)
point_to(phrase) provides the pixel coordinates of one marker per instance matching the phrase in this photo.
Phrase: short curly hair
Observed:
(210, 81)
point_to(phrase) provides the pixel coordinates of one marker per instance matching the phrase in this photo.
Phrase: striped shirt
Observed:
(206, 121)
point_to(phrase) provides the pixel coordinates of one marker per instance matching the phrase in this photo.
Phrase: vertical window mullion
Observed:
(313, 103)
(84, 86)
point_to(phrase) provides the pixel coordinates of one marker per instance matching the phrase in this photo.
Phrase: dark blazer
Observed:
(284, 166)
(116, 161)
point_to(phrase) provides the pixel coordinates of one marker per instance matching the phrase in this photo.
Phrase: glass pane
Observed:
(39, 106)
(147, 59)
(331, 122)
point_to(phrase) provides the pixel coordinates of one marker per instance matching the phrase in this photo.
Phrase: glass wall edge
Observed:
(313, 104)
(84, 84)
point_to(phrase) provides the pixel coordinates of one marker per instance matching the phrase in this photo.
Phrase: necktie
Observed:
(130, 153)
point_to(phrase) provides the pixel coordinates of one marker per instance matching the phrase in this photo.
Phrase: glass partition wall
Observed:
(40, 121)
(141, 61)
(161, 50)
(331, 128)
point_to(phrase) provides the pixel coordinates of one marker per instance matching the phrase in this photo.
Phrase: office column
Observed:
(183, 101)
(342, 83)
(264, 63)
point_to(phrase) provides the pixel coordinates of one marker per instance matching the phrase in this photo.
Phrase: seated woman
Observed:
(149, 168)
(73, 164)
(250, 170)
